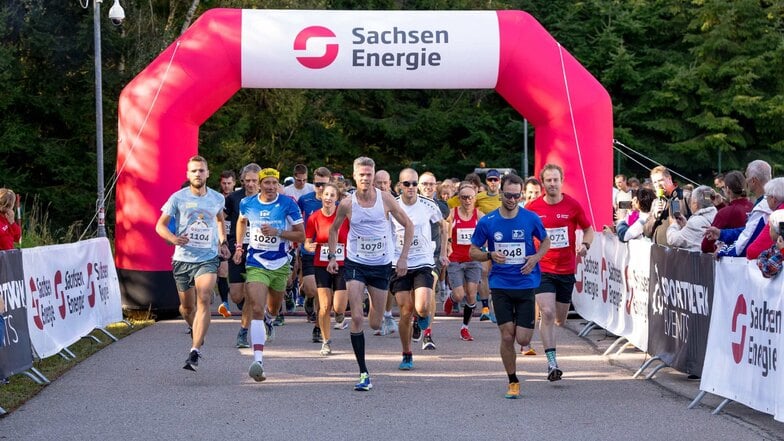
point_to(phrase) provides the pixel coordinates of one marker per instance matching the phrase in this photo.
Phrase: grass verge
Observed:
(21, 388)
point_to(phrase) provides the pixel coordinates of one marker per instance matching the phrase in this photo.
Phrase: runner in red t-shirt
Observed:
(328, 284)
(561, 215)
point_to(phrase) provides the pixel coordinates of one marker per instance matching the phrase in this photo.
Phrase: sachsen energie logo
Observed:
(390, 47)
(762, 324)
(315, 32)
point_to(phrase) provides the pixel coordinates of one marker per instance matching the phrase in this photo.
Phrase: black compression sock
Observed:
(358, 344)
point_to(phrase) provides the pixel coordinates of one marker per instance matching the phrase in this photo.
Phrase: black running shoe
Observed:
(417, 334)
(193, 360)
(554, 374)
(317, 335)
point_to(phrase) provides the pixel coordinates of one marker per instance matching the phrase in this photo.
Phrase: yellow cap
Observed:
(269, 173)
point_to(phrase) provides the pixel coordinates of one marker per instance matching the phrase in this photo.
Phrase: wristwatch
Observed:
(331, 256)
(489, 256)
(587, 245)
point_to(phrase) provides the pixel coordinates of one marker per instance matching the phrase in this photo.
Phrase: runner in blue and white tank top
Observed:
(369, 254)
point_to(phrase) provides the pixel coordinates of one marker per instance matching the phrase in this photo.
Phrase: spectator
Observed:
(736, 240)
(721, 191)
(688, 234)
(770, 260)
(10, 231)
(667, 193)
(623, 193)
(633, 183)
(641, 208)
(734, 214)
(774, 196)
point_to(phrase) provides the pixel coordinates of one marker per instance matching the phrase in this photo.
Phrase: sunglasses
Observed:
(513, 195)
(492, 179)
(319, 184)
(466, 197)
(409, 183)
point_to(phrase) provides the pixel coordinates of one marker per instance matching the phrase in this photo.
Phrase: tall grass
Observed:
(37, 227)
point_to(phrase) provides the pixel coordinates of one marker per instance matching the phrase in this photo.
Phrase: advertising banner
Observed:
(637, 277)
(681, 292)
(370, 49)
(72, 289)
(745, 337)
(15, 352)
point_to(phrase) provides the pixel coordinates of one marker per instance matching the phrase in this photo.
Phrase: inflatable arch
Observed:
(160, 111)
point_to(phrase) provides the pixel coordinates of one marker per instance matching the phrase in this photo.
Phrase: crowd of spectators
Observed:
(742, 216)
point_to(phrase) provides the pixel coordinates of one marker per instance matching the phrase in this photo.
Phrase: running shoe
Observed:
(256, 371)
(427, 343)
(388, 325)
(223, 309)
(364, 382)
(317, 335)
(513, 392)
(449, 304)
(407, 364)
(424, 322)
(553, 373)
(465, 335)
(242, 339)
(340, 322)
(485, 314)
(279, 321)
(270, 330)
(530, 351)
(192, 362)
(326, 348)
(417, 334)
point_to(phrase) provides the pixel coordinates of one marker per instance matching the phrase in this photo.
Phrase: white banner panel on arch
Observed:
(71, 290)
(370, 49)
(611, 287)
(741, 361)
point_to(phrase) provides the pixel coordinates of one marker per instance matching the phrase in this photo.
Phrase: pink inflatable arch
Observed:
(161, 110)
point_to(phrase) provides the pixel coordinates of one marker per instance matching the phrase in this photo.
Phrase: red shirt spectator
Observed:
(9, 229)
(733, 215)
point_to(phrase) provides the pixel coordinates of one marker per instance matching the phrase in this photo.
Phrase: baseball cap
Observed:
(269, 173)
(493, 173)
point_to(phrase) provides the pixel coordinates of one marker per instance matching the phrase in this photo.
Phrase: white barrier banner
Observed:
(72, 289)
(611, 287)
(637, 278)
(370, 49)
(741, 361)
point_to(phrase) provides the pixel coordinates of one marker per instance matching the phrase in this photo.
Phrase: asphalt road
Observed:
(137, 389)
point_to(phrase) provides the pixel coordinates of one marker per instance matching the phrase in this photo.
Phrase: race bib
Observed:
(246, 239)
(559, 237)
(199, 235)
(227, 227)
(513, 251)
(370, 247)
(340, 253)
(417, 244)
(258, 241)
(464, 236)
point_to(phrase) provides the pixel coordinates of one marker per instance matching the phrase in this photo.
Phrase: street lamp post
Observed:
(117, 15)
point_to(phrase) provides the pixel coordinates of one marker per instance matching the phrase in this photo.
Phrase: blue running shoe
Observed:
(364, 384)
(424, 322)
(407, 364)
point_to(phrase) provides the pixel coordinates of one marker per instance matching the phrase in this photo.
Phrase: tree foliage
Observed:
(691, 82)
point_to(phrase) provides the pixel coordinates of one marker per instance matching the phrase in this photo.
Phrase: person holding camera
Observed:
(667, 193)
(688, 234)
(632, 226)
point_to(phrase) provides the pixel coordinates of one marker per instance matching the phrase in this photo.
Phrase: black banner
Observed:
(679, 305)
(15, 352)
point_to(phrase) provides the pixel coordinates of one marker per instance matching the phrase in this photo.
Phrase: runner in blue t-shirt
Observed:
(509, 233)
(273, 219)
(199, 238)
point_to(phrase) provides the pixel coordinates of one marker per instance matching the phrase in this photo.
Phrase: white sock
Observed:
(387, 313)
(258, 336)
